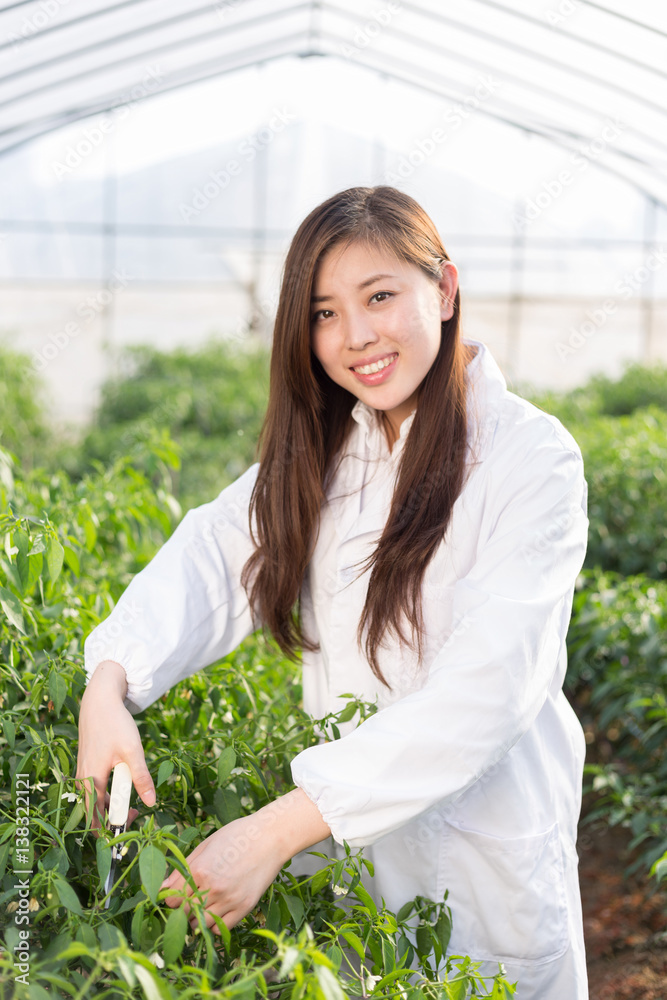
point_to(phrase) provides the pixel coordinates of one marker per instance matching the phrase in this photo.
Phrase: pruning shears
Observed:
(119, 807)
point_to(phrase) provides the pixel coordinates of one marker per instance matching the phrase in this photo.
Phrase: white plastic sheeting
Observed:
(569, 70)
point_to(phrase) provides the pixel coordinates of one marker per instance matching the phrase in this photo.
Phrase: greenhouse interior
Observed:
(156, 160)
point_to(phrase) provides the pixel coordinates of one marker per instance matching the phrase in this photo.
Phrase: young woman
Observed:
(417, 531)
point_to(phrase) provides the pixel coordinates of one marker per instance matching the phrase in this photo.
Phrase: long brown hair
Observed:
(308, 419)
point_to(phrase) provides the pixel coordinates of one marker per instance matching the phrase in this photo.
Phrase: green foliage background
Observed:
(79, 519)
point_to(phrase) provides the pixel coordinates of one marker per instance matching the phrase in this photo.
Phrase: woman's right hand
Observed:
(108, 734)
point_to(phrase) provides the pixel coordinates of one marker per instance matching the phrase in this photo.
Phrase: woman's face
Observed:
(375, 325)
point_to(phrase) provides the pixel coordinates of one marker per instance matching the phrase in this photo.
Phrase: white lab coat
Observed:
(469, 776)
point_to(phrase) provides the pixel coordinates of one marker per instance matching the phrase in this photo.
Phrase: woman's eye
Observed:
(319, 314)
(388, 294)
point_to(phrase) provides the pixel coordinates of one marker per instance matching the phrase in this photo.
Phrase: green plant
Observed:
(617, 676)
(210, 401)
(638, 387)
(219, 746)
(625, 463)
(23, 429)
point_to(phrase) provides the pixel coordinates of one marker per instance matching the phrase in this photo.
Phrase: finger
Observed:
(141, 777)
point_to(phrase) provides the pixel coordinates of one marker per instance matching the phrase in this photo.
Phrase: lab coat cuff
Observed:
(317, 797)
(96, 652)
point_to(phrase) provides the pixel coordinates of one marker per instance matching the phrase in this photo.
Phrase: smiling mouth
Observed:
(377, 366)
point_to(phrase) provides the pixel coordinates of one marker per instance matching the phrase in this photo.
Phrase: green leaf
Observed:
(75, 818)
(28, 566)
(296, 909)
(165, 770)
(153, 989)
(424, 942)
(226, 761)
(12, 607)
(174, 934)
(90, 531)
(103, 852)
(335, 955)
(355, 942)
(86, 935)
(9, 730)
(72, 560)
(57, 690)
(152, 868)
(320, 880)
(110, 937)
(22, 542)
(4, 855)
(659, 869)
(443, 930)
(458, 988)
(347, 713)
(338, 871)
(55, 858)
(37, 546)
(55, 554)
(388, 955)
(227, 805)
(137, 922)
(328, 983)
(366, 899)
(67, 896)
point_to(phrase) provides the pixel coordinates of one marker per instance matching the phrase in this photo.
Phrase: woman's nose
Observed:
(359, 332)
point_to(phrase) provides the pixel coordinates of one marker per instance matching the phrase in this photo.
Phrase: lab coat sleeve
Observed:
(187, 607)
(492, 675)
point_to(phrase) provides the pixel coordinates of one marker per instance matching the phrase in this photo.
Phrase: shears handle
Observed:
(121, 789)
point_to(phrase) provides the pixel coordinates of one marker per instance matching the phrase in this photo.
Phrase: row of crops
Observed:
(79, 517)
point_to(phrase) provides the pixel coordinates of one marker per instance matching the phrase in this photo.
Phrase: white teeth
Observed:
(377, 366)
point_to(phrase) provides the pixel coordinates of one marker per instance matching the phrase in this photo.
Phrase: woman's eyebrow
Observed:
(364, 284)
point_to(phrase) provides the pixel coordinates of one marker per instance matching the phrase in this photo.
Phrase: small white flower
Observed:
(340, 890)
(33, 904)
(11, 907)
(70, 796)
(79, 841)
(38, 786)
(237, 770)
(157, 960)
(228, 717)
(246, 801)
(371, 982)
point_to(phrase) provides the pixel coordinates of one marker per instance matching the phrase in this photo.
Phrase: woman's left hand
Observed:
(238, 862)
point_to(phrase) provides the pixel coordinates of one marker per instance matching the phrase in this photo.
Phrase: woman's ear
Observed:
(448, 285)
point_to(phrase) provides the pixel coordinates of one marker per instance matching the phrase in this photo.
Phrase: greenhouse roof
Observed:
(583, 75)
